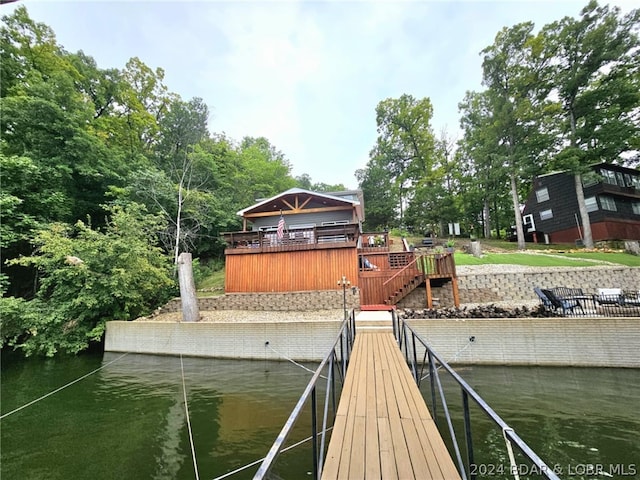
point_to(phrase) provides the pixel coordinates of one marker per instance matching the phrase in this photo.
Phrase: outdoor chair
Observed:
(553, 303)
(631, 298)
(546, 303)
(609, 296)
(564, 293)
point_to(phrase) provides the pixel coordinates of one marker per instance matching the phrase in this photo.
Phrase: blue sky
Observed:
(305, 74)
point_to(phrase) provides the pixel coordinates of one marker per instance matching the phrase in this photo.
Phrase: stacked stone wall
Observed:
(515, 287)
(518, 286)
(286, 301)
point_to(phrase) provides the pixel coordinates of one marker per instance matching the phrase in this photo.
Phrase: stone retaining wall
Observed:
(287, 301)
(473, 288)
(518, 286)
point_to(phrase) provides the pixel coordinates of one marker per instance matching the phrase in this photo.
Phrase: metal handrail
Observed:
(342, 346)
(402, 331)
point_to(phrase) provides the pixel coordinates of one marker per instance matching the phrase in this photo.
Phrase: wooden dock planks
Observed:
(383, 429)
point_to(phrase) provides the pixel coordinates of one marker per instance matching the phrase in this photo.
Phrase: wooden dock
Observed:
(383, 429)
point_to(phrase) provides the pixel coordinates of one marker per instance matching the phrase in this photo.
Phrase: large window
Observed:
(591, 203)
(609, 176)
(546, 214)
(542, 195)
(608, 203)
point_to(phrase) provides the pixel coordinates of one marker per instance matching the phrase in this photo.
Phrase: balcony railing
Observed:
(292, 239)
(375, 242)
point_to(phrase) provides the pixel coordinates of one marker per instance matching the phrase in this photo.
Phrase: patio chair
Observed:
(546, 303)
(631, 298)
(609, 296)
(566, 305)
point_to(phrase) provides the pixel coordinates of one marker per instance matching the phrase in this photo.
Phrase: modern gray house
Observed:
(612, 196)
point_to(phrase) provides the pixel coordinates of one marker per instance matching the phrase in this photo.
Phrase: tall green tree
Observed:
(380, 198)
(595, 71)
(405, 146)
(513, 72)
(485, 178)
(183, 126)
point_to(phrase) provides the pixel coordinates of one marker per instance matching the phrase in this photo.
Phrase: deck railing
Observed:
(374, 242)
(437, 264)
(291, 239)
(334, 364)
(420, 357)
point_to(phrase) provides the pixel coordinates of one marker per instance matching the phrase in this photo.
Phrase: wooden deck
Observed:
(383, 429)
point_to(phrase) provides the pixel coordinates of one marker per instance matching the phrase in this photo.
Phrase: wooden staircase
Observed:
(400, 273)
(405, 290)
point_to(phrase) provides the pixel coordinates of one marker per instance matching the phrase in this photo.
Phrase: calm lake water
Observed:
(127, 421)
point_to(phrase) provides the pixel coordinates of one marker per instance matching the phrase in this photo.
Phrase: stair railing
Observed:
(401, 279)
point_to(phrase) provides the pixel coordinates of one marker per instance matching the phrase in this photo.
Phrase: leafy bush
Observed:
(88, 277)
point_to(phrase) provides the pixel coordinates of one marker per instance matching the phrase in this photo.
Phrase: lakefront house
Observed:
(300, 240)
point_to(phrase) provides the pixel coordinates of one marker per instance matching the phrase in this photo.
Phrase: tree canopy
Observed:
(563, 97)
(86, 152)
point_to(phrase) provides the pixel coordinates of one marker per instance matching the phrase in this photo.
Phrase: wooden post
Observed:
(429, 299)
(190, 310)
(456, 294)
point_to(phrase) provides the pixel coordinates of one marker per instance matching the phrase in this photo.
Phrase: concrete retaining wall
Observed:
(602, 342)
(298, 340)
(611, 342)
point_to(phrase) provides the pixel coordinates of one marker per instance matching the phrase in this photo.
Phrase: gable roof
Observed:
(296, 199)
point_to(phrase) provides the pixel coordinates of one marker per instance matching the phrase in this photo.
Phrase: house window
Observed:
(608, 176)
(635, 181)
(591, 203)
(608, 203)
(636, 207)
(546, 214)
(542, 195)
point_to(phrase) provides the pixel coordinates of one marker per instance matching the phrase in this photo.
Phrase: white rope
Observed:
(61, 388)
(452, 358)
(512, 458)
(186, 409)
(292, 361)
(253, 464)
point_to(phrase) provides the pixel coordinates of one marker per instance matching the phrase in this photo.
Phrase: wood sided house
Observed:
(612, 196)
(301, 240)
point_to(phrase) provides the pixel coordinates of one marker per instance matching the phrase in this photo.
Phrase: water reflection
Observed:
(128, 420)
(570, 417)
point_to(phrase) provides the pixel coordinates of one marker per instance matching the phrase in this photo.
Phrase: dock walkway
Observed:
(383, 429)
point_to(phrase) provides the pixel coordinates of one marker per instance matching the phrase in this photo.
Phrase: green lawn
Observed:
(613, 257)
(212, 284)
(550, 259)
(521, 259)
